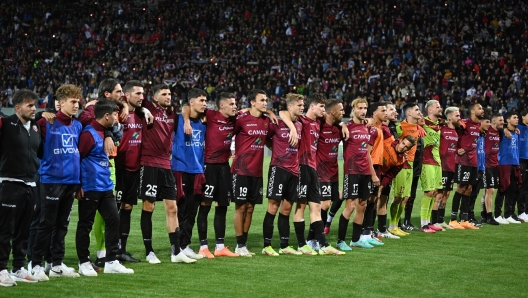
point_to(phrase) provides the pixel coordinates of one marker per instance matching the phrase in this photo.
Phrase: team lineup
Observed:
(123, 147)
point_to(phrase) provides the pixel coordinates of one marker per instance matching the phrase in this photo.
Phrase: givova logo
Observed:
(68, 145)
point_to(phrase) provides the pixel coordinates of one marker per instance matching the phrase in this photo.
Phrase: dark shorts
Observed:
(357, 186)
(466, 175)
(247, 189)
(447, 180)
(309, 189)
(282, 185)
(127, 184)
(156, 184)
(490, 178)
(329, 191)
(218, 181)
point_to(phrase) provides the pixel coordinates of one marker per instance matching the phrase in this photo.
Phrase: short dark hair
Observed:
(472, 105)
(252, 96)
(195, 92)
(223, 96)
(24, 95)
(316, 98)
(129, 86)
(107, 85)
(524, 112)
(332, 102)
(509, 114)
(375, 105)
(408, 106)
(411, 139)
(104, 106)
(156, 89)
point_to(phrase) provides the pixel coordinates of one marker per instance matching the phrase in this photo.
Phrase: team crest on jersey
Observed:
(258, 141)
(35, 128)
(315, 142)
(334, 149)
(452, 145)
(364, 144)
(135, 136)
(229, 135)
(496, 145)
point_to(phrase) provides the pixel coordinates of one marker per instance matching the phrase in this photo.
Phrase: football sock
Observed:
(382, 223)
(267, 228)
(201, 220)
(124, 228)
(394, 213)
(408, 209)
(465, 208)
(324, 215)
(356, 232)
(367, 220)
(310, 233)
(455, 206)
(318, 228)
(220, 225)
(299, 232)
(441, 215)
(401, 207)
(146, 230)
(343, 226)
(424, 209)
(174, 239)
(434, 217)
(284, 230)
(333, 210)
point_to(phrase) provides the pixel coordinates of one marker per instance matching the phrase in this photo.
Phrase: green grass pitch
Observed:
(490, 262)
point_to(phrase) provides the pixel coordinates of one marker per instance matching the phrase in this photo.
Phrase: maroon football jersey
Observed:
(355, 150)
(284, 155)
(310, 138)
(251, 134)
(467, 140)
(491, 148)
(448, 148)
(129, 150)
(327, 151)
(218, 137)
(157, 139)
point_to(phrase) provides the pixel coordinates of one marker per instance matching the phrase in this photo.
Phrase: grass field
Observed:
(490, 262)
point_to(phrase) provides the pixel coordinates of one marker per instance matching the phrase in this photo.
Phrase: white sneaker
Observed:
(62, 271)
(523, 216)
(513, 221)
(501, 220)
(23, 275)
(152, 259)
(6, 280)
(439, 226)
(181, 258)
(446, 226)
(39, 274)
(191, 254)
(115, 267)
(86, 269)
(388, 235)
(243, 251)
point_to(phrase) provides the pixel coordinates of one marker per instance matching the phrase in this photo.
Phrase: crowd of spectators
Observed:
(454, 51)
